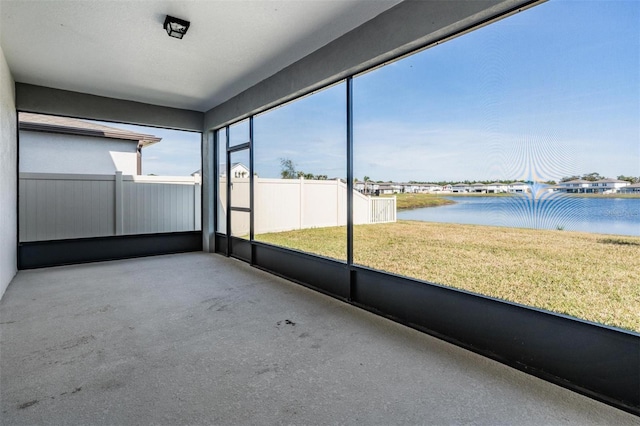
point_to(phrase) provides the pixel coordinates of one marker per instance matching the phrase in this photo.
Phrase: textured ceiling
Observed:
(119, 48)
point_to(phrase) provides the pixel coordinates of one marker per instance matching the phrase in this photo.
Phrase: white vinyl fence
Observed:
(61, 206)
(289, 204)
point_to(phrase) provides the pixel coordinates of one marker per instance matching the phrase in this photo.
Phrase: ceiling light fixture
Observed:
(176, 27)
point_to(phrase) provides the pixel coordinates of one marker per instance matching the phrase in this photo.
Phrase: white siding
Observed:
(8, 176)
(42, 152)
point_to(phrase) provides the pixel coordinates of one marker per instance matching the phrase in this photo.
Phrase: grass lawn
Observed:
(590, 276)
(415, 201)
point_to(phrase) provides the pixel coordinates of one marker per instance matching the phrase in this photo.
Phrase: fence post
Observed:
(338, 223)
(394, 208)
(119, 225)
(301, 180)
(197, 205)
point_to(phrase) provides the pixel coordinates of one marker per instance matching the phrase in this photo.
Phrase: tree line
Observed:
(592, 177)
(288, 171)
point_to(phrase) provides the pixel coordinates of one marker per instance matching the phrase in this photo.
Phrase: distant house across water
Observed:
(602, 186)
(631, 189)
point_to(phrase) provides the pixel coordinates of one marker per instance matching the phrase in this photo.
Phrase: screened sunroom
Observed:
(359, 214)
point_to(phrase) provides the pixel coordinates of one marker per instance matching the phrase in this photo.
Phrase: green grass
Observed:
(415, 201)
(407, 201)
(590, 276)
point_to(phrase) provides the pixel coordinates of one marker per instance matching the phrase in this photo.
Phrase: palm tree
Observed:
(366, 179)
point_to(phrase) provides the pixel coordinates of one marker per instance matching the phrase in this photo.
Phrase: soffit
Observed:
(119, 49)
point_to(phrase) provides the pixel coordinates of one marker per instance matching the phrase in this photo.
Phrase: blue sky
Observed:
(549, 92)
(177, 154)
(311, 132)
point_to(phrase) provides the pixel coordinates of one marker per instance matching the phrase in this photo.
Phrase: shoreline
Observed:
(520, 194)
(412, 201)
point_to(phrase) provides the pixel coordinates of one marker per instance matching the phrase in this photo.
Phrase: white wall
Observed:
(42, 152)
(8, 176)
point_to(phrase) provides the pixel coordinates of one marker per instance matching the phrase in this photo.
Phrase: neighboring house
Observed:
(602, 186)
(607, 186)
(478, 187)
(575, 186)
(518, 187)
(238, 171)
(369, 187)
(422, 187)
(52, 144)
(497, 187)
(411, 188)
(631, 189)
(386, 188)
(460, 187)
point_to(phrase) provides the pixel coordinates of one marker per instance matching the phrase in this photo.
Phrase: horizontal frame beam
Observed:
(41, 254)
(46, 100)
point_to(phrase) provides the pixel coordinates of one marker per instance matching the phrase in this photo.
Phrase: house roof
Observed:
(575, 181)
(610, 181)
(72, 126)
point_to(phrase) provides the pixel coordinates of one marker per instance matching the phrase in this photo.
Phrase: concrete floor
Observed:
(202, 339)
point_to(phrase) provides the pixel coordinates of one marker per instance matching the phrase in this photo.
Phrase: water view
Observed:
(620, 216)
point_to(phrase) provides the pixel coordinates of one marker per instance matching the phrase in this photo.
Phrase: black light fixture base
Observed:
(176, 27)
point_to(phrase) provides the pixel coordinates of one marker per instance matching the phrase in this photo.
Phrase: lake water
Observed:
(620, 216)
